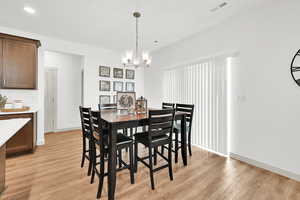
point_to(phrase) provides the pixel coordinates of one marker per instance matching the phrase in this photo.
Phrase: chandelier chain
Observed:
(137, 37)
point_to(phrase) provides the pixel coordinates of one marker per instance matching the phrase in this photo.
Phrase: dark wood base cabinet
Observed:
(2, 168)
(24, 141)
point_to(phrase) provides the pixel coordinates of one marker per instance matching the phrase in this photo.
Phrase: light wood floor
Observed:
(54, 172)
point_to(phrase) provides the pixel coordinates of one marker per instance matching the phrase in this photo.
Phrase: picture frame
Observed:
(130, 87)
(118, 73)
(118, 86)
(104, 85)
(104, 99)
(130, 74)
(104, 71)
(126, 101)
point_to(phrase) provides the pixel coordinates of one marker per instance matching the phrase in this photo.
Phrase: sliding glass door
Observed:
(203, 84)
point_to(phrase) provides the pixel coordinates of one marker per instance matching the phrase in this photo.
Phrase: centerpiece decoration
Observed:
(126, 101)
(141, 105)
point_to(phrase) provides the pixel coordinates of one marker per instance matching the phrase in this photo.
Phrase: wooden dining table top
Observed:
(115, 116)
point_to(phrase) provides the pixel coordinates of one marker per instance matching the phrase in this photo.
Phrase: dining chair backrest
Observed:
(96, 121)
(161, 122)
(86, 122)
(109, 106)
(168, 105)
(189, 110)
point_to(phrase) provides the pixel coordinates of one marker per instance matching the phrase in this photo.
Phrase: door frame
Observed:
(55, 70)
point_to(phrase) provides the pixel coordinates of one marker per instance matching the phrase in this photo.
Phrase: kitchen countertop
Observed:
(32, 110)
(10, 127)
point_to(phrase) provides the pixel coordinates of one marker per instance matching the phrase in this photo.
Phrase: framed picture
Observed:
(104, 85)
(115, 99)
(104, 99)
(130, 87)
(130, 74)
(118, 86)
(126, 100)
(104, 71)
(118, 73)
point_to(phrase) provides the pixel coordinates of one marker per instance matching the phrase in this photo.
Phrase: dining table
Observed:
(115, 120)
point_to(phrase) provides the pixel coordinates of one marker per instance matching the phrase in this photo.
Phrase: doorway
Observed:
(50, 99)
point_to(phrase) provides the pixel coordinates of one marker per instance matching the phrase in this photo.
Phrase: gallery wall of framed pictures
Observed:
(113, 80)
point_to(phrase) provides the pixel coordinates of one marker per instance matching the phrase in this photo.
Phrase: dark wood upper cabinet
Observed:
(18, 62)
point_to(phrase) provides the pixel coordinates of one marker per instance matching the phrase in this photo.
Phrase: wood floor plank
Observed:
(53, 173)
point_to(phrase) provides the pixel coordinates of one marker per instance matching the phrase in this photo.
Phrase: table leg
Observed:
(111, 183)
(183, 140)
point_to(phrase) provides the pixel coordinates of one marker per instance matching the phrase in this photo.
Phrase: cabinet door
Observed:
(1, 62)
(23, 140)
(19, 65)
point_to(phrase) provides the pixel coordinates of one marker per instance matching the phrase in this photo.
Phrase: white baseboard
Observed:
(64, 129)
(268, 167)
(67, 129)
(206, 149)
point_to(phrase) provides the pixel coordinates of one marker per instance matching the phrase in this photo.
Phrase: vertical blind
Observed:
(204, 85)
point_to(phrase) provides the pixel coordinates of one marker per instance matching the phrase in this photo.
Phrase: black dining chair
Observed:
(86, 125)
(113, 106)
(168, 105)
(164, 106)
(100, 142)
(158, 134)
(189, 110)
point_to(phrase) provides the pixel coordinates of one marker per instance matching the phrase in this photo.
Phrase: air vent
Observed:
(222, 5)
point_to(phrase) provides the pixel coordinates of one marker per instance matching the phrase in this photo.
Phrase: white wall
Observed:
(69, 68)
(267, 125)
(93, 57)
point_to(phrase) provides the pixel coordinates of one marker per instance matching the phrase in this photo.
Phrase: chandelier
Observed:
(136, 58)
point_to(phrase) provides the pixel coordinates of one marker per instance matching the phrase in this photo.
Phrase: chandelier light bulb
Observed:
(129, 55)
(148, 62)
(124, 60)
(136, 61)
(145, 56)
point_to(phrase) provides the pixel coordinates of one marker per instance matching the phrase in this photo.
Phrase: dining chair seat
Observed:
(121, 139)
(144, 139)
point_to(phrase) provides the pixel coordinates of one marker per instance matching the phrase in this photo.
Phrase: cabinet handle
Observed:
(4, 82)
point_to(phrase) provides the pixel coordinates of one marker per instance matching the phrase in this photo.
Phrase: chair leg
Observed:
(176, 148)
(136, 156)
(170, 161)
(91, 159)
(83, 151)
(189, 144)
(155, 155)
(125, 132)
(131, 164)
(101, 177)
(162, 150)
(120, 157)
(151, 168)
(94, 161)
